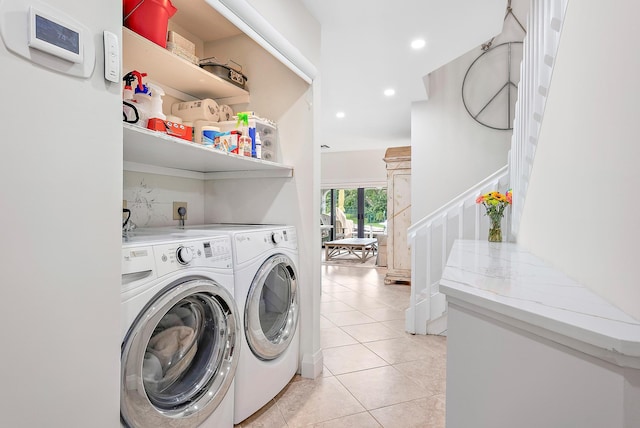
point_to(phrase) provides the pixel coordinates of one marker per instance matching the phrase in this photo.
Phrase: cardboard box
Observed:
(227, 142)
(181, 42)
(171, 128)
(182, 53)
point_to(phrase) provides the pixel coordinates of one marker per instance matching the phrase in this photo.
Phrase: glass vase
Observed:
(495, 230)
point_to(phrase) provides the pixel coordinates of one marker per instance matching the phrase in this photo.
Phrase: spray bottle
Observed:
(127, 93)
(149, 99)
(244, 143)
(130, 107)
(142, 101)
(155, 106)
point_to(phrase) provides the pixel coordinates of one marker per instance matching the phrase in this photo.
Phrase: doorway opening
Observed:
(353, 213)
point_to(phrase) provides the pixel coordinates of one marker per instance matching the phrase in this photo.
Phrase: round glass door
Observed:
(271, 310)
(179, 357)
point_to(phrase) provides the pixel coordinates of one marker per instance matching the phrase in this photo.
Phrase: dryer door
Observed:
(179, 357)
(271, 309)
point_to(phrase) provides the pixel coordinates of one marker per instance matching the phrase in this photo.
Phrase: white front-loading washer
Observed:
(180, 331)
(265, 259)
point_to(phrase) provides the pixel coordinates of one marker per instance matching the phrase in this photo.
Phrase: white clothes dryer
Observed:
(265, 259)
(180, 330)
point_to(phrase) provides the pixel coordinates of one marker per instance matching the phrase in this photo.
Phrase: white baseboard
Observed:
(438, 326)
(311, 365)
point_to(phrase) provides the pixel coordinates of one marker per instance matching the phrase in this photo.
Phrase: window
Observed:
(360, 212)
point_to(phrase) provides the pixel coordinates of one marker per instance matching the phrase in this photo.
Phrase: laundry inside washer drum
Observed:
(172, 364)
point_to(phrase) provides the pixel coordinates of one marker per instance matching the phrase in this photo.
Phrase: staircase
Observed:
(431, 238)
(544, 25)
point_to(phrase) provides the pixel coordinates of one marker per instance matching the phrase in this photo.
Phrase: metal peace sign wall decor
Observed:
(490, 86)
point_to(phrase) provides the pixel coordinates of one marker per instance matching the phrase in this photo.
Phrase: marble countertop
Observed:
(506, 279)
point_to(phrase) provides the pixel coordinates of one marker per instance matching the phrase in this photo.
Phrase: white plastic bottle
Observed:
(143, 105)
(155, 107)
(258, 146)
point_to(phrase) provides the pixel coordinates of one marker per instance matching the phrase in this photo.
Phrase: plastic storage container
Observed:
(149, 18)
(268, 136)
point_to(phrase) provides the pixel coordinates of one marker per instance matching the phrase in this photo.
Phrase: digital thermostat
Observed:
(47, 36)
(53, 35)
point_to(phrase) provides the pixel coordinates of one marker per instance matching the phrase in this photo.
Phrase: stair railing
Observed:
(544, 25)
(431, 239)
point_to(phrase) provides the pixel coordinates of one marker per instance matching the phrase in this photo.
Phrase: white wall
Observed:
(150, 198)
(291, 19)
(581, 210)
(364, 168)
(61, 175)
(450, 150)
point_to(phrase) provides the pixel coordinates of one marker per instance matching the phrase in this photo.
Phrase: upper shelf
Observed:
(168, 69)
(148, 147)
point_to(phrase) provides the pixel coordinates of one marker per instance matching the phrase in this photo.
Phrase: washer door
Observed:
(180, 356)
(271, 310)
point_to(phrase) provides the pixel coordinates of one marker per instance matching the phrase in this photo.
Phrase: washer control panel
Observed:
(184, 255)
(213, 252)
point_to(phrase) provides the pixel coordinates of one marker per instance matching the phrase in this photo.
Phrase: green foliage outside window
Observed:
(375, 206)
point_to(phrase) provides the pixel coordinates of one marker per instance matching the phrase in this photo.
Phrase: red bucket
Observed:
(149, 18)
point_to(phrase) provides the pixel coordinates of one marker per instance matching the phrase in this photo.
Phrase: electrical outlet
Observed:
(177, 205)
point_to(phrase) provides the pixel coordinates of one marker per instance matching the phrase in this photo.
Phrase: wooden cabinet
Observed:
(398, 160)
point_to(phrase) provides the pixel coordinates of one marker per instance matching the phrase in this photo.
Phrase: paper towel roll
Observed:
(206, 109)
(226, 113)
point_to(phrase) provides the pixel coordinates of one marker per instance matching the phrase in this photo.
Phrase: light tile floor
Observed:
(375, 374)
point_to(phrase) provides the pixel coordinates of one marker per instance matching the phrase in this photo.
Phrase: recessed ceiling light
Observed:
(390, 92)
(340, 114)
(418, 44)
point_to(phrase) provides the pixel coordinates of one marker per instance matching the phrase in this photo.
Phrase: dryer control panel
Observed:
(213, 252)
(251, 244)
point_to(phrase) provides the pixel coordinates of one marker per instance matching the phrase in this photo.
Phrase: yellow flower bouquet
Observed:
(495, 203)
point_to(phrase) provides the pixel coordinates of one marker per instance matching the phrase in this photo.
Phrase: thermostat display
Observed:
(60, 36)
(54, 36)
(47, 36)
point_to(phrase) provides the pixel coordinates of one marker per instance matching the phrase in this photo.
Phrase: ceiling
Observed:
(366, 49)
